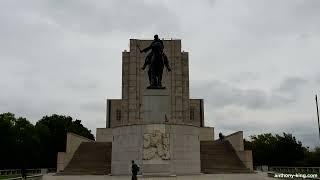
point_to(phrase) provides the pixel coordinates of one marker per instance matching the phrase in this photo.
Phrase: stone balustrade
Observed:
(283, 169)
(8, 172)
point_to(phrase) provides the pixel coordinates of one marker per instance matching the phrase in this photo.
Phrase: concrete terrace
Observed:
(252, 176)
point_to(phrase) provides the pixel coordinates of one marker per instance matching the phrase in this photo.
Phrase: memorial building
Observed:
(155, 123)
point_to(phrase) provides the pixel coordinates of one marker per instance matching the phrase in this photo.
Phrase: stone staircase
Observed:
(220, 157)
(91, 158)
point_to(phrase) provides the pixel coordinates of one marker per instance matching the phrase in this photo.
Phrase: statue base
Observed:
(156, 106)
(156, 87)
(159, 149)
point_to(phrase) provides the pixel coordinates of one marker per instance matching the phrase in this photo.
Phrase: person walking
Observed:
(134, 169)
(23, 173)
(221, 137)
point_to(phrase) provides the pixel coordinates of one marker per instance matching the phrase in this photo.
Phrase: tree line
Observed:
(24, 145)
(281, 150)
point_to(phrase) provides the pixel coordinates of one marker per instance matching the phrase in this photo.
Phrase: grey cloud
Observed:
(292, 85)
(280, 18)
(317, 78)
(245, 76)
(104, 17)
(304, 128)
(91, 17)
(93, 106)
(219, 94)
(65, 57)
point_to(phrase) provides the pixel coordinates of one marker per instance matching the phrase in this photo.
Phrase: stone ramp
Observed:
(220, 157)
(91, 158)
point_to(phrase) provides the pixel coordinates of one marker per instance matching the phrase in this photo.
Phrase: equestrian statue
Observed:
(155, 60)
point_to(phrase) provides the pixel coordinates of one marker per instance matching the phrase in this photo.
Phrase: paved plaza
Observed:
(252, 176)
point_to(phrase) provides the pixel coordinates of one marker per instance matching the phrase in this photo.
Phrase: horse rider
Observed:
(149, 56)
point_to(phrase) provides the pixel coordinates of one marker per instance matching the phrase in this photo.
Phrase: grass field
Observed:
(10, 176)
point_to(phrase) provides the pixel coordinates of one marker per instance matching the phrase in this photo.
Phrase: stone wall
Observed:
(206, 133)
(126, 146)
(236, 140)
(196, 112)
(60, 161)
(73, 142)
(246, 158)
(104, 135)
(181, 155)
(185, 149)
(114, 113)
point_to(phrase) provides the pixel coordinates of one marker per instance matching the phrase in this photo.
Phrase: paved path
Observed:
(255, 176)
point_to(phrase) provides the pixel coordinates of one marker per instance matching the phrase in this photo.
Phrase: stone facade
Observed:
(158, 148)
(135, 81)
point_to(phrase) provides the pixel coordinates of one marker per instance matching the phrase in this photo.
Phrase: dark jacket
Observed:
(134, 169)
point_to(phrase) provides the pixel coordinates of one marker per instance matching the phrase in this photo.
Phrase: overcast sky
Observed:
(255, 63)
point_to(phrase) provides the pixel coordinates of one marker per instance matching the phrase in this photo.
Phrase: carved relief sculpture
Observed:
(156, 146)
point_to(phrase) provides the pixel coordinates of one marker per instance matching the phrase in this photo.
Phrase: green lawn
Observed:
(10, 176)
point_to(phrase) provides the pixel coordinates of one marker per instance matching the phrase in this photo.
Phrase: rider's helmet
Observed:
(156, 37)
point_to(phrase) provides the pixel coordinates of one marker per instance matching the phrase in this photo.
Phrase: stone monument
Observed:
(155, 123)
(155, 128)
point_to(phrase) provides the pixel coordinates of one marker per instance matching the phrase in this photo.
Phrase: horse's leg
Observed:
(160, 72)
(150, 76)
(153, 75)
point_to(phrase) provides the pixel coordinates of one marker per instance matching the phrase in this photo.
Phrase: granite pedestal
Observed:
(159, 149)
(156, 107)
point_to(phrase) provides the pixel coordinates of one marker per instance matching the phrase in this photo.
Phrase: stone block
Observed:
(60, 161)
(155, 168)
(127, 146)
(132, 83)
(246, 158)
(236, 140)
(104, 135)
(132, 69)
(206, 133)
(178, 76)
(132, 106)
(177, 46)
(156, 106)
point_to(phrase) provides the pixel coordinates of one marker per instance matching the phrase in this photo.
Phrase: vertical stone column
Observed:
(125, 87)
(143, 81)
(171, 81)
(132, 96)
(178, 80)
(185, 87)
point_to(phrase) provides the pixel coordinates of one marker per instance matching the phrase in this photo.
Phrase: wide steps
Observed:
(91, 158)
(220, 157)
